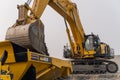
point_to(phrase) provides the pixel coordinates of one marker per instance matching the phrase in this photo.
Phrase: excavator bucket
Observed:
(30, 36)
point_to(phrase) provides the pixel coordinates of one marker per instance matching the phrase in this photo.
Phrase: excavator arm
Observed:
(65, 8)
(69, 11)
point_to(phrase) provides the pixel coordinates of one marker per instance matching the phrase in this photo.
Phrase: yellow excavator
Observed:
(28, 57)
(27, 54)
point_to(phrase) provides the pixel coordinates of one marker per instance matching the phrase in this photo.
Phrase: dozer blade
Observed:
(29, 36)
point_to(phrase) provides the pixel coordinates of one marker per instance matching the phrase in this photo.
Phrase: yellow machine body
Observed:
(46, 67)
(5, 77)
(5, 73)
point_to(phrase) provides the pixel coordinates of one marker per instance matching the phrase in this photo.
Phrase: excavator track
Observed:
(94, 66)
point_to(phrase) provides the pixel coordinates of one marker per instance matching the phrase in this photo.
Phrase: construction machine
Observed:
(28, 57)
(28, 54)
(23, 64)
(89, 55)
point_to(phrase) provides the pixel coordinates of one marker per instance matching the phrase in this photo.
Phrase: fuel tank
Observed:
(29, 36)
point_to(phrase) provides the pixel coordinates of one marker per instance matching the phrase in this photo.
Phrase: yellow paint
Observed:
(44, 67)
(5, 77)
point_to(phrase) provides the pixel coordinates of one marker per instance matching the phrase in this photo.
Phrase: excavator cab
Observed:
(102, 50)
(92, 42)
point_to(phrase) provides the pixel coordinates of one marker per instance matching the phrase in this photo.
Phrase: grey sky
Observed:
(98, 16)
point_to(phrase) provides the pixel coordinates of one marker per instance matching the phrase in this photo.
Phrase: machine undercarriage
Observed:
(94, 66)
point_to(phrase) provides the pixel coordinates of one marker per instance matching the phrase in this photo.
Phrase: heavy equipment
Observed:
(23, 64)
(28, 53)
(28, 57)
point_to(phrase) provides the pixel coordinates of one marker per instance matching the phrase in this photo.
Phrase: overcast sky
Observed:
(101, 17)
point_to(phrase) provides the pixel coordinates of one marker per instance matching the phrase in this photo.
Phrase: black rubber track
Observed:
(95, 62)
